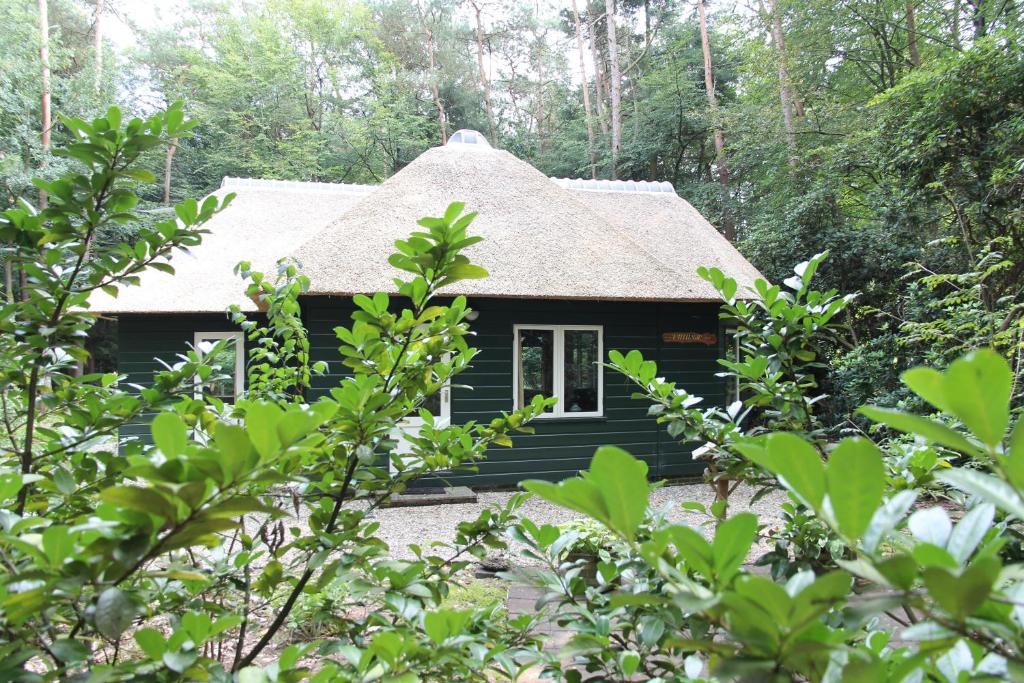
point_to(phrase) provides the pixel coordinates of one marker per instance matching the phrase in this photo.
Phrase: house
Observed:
(577, 268)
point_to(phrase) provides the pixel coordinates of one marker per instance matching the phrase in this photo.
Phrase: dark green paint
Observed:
(559, 448)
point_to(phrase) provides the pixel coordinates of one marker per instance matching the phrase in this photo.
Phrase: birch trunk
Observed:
(615, 84)
(728, 226)
(586, 92)
(484, 80)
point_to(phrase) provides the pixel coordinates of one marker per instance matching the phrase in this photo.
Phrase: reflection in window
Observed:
(536, 364)
(561, 361)
(581, 371)
(225, 384)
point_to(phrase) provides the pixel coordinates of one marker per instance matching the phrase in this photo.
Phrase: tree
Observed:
(128, 533)
(485, 81)
(615, 84)
(728, 227)
(585, 89)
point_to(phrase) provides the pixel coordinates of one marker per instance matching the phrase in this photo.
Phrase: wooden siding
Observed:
(562, 447)
(142, 339)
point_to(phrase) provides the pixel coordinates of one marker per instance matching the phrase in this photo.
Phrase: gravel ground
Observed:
(401, 527)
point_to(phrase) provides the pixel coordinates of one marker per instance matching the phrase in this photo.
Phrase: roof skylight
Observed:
(466, 136)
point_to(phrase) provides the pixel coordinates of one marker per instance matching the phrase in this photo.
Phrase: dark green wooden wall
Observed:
(142, 339)
(560, 447)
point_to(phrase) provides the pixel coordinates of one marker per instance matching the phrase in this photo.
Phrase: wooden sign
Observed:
(706, 338)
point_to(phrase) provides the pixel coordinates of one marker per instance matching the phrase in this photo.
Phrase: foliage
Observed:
(947, 584)
(278, 360)
(173, 560)
(781, 333)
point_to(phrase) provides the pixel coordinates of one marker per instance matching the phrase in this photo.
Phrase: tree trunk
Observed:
(167, 170)
(784, 87)
(955, 27)
(615, 85)
(442, 118)
(484, 80)
(728, 227)
(586, 93)
(97, 47)
(598, 79)
(915, 56)
(44, 80)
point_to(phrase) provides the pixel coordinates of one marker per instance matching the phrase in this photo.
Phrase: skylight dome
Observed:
(468, 137)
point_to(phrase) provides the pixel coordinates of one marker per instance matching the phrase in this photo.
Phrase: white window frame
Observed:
(558, 375)
(732, 344)
(239, 337)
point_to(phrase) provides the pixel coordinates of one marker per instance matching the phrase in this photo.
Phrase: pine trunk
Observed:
(484, 80)
(442, 118)
(586, 92)
(915, 56)
(598, 81)
(784, 87)
(615, 83)
(728, 226)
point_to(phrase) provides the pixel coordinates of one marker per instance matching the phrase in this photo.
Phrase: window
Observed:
(231, 359)
(561, 361)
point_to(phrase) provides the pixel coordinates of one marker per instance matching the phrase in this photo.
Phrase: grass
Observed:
(477, 593)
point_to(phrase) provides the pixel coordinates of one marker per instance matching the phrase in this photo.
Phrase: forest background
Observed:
(887, 132)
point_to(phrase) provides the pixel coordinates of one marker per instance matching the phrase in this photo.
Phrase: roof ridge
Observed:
(594, 185)
(230, 182)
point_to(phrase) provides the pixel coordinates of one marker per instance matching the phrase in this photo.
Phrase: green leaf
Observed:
(140, 499)
(261, 425)
(962, 595)
(57, 544)
(169, 434)
(252, 674)
(114, 613)
(629, 662)
(933, 432)
(151, 641)
(986, 487)
(622, 481)
(614, 491)
(794, 461)
(856, 483)
(236, 450)
(732, 542)
(970, 531)
(977, 389)
(1013, 463)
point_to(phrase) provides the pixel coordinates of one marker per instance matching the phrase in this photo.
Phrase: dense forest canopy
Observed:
(890, 133)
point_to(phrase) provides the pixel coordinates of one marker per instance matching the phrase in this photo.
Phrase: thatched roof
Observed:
(543, 237)
(267, 220)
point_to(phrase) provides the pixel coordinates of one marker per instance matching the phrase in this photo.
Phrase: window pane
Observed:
(223, 388)
(536, 364)
(433, 404)
(581, 371)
